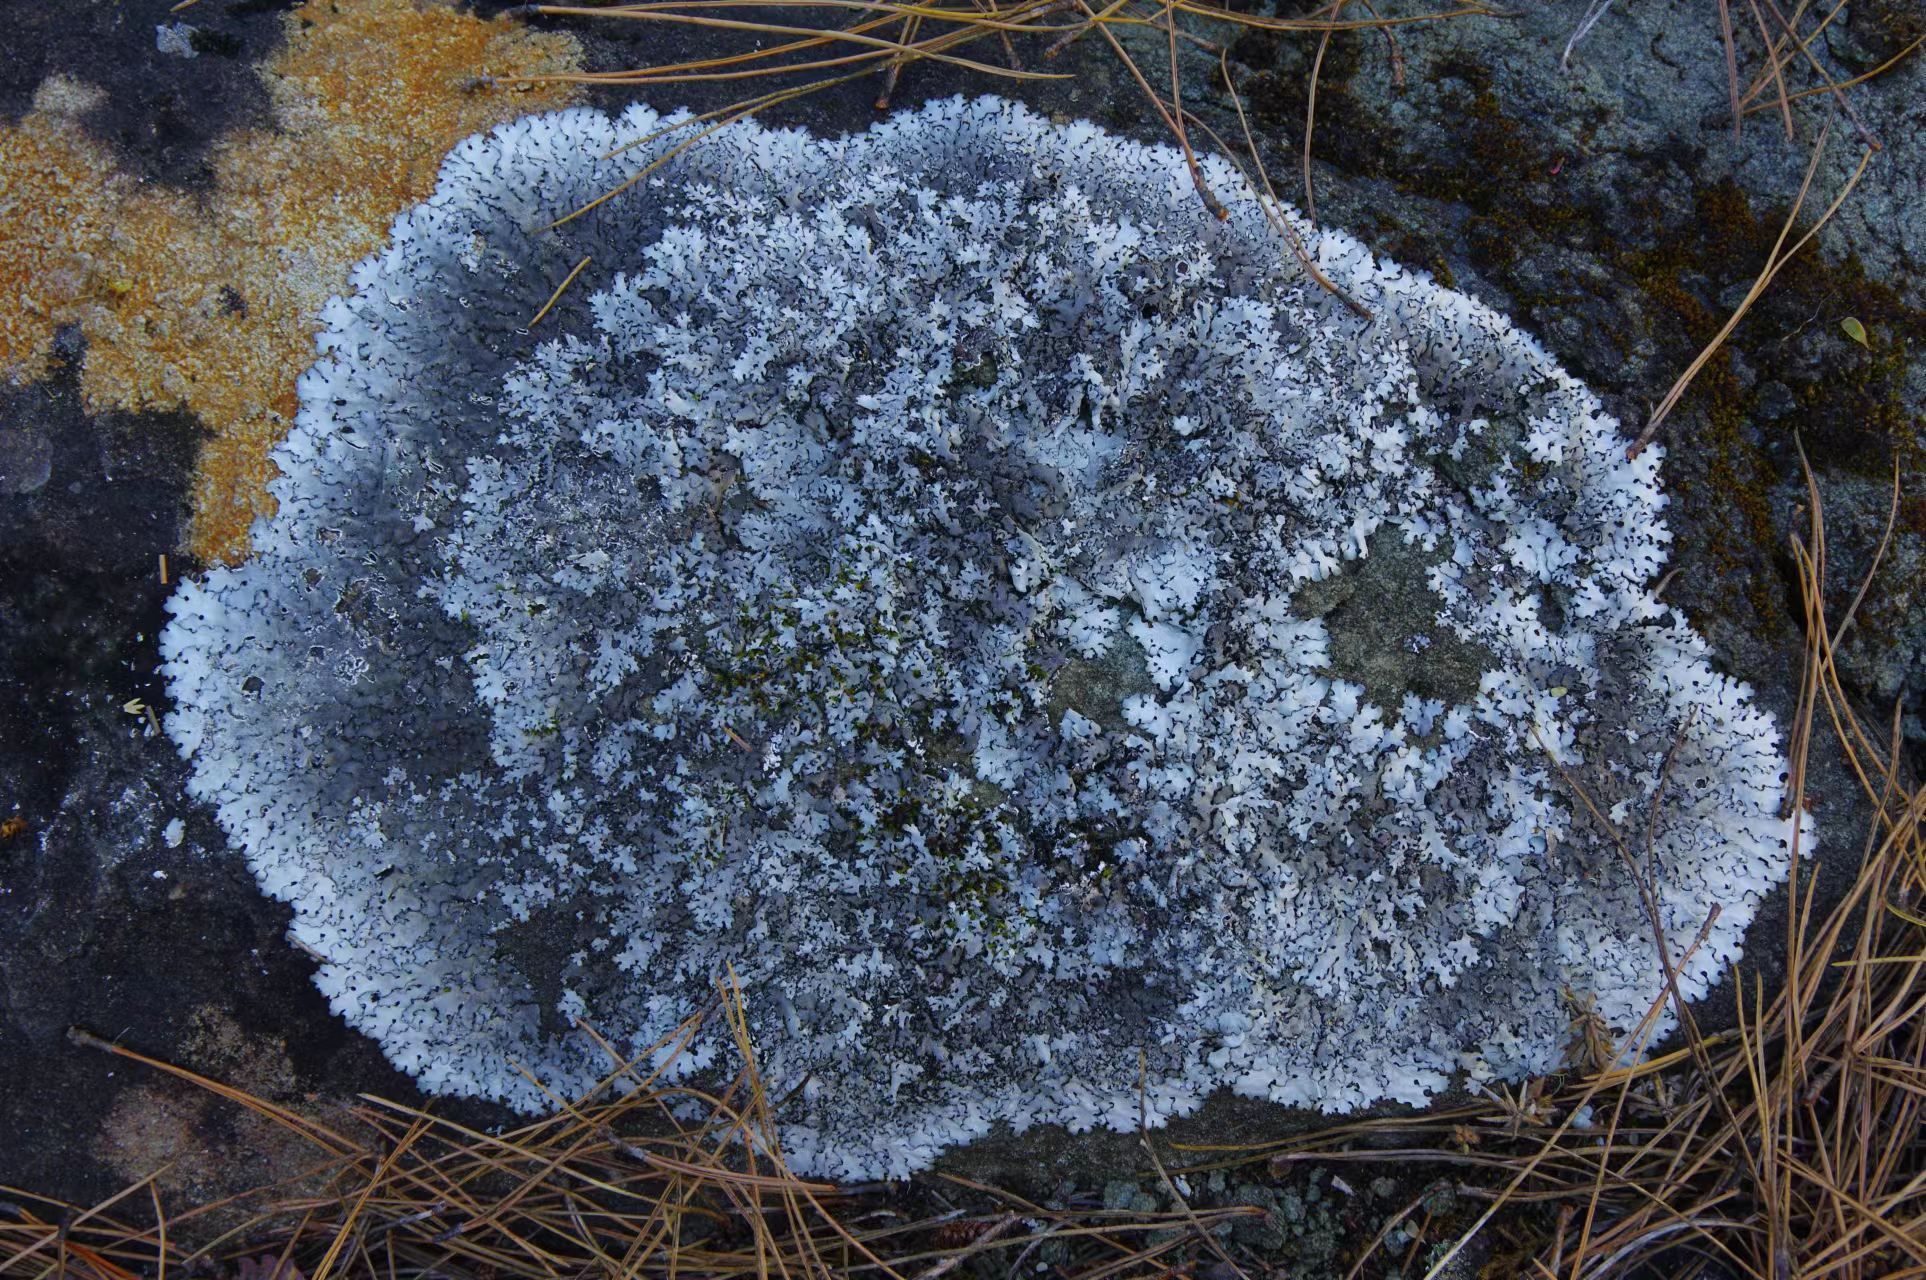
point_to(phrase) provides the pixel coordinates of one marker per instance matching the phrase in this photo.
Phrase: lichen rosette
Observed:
(1008, 617)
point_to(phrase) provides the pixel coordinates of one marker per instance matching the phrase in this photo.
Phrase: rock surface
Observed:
(1608, 209)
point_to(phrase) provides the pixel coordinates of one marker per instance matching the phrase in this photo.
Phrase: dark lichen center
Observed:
(1097, 687)
(1383, 621)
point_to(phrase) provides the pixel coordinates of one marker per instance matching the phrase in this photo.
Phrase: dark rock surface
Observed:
(163, 110)
(1608, 209)
(109, 917)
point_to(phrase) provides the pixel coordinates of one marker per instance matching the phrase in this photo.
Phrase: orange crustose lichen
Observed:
(210, 304)
(57, 202)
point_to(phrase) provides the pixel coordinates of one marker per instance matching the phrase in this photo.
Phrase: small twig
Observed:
(555, 297)
(911, 26)
(1391, 48)
(316, 1133)
(1774, 263)
(160, 1227)
(1861, 78)
(1774, 68)
(1845, 104)
(1384, 1231)
(1310, 109)
(1208, 1236)
(1211, 203)
(1177, 114)
(1270, 204)
(1077, 33)
(1000, 1227)
(1595, 11)
(1731, 62)
(1879, 554)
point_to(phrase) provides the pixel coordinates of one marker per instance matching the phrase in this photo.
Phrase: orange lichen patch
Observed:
(58, 190)
(213, 302)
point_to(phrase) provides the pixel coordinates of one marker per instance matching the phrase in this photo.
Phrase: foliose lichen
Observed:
(1009, 616)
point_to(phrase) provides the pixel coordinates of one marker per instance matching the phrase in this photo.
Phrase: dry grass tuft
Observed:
(639, 1178)
(882, 38)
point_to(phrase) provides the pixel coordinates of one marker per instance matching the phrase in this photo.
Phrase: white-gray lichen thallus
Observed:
(1010, 616)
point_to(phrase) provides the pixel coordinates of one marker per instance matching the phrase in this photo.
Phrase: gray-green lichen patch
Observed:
(1097, 687)
(1383, 619)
